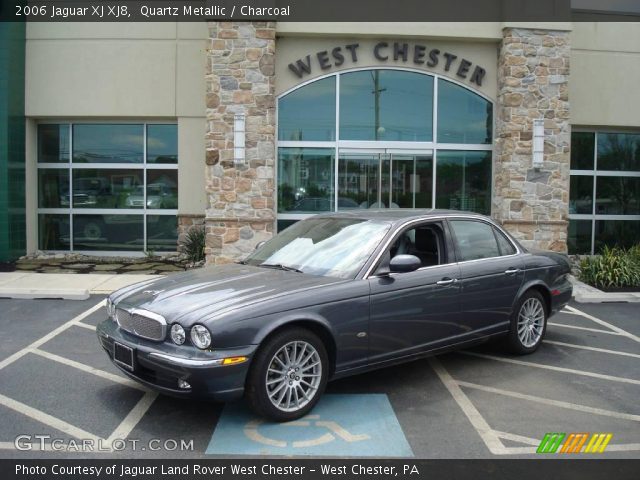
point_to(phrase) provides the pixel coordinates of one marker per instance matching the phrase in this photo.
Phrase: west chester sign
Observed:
(398, 52)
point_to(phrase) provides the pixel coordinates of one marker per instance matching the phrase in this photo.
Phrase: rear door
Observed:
(491, 273)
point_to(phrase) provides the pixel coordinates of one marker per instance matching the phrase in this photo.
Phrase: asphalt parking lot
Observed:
(58, 389)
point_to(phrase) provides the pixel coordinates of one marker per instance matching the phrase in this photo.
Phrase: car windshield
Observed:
(332, 247)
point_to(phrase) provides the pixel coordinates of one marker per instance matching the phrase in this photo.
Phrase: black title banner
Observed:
(316, 469)
(285, 10)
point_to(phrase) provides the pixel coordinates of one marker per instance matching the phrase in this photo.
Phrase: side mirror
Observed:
(260, 244)
(404, 263)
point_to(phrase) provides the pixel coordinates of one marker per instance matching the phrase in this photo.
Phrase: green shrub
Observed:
(634, 253)
(614, 268)
(193, 244)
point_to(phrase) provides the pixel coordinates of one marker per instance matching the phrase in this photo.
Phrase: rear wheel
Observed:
(288, 375)
(528, 324)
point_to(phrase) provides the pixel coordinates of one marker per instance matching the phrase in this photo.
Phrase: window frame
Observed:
(594, 173)
(339, 145)
(69, 166)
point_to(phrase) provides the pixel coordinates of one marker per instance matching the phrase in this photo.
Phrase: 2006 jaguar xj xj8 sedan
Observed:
(331, 296)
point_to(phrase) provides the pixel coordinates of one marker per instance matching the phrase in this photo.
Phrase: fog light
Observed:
(200, 336)
(184, 385)
(177, 334)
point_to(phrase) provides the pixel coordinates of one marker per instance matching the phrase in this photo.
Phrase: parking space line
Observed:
(553, 367)
(20, 353)
(517, 438)
(616, 329)
(85, 325)
(554, 403)
(593, 349)
(47, 419)
(597, 330)
(86, 368)
(627, 447)
(133, 417)
(486, 433)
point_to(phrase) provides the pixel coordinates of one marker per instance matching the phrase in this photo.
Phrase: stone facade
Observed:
(240, 81)
(533, 75)
(185, 223)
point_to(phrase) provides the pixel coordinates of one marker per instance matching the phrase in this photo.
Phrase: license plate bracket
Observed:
(123, 355)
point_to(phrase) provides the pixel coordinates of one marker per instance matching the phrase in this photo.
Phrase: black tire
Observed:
(257, 390)
(522, 319)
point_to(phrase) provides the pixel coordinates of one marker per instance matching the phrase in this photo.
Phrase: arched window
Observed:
(383, 138)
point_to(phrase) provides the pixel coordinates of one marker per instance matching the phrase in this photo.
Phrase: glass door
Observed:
(384, 179)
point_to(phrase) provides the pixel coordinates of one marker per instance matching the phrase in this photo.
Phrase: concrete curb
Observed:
(583, 293)
(28, 285)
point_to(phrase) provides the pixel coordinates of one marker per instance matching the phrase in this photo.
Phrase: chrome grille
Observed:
(142, 323)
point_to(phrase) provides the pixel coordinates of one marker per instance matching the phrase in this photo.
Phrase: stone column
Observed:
(240, 80)
(533, 73)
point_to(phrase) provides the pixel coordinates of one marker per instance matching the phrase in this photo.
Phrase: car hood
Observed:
(214, 291)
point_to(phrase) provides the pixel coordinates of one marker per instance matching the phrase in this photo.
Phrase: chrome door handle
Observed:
(446, 282)
(511, 271)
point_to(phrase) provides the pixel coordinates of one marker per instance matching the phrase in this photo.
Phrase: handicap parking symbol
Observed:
(340, 425)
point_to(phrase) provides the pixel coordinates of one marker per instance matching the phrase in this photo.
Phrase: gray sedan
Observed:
(331, 296)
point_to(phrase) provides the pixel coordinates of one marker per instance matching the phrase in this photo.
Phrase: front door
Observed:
(415, 311)
(385, 179)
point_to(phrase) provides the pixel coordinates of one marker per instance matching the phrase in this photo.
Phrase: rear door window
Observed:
(475, 240)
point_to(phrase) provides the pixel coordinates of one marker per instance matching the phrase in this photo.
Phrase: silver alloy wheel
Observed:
(530, 322)
(293, 376)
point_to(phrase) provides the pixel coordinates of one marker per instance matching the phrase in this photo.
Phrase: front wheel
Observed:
(528, 324)
(288, 375)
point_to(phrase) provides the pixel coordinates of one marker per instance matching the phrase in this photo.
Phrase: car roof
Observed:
(400, 215)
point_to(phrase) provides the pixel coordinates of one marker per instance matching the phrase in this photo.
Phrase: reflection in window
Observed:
(386, 105)
(617, 195)
(475, 240)
(621, 233)
(162, 233)
(411, 181)
(53, 232)
(581, 194)
(582, 150)
(106, 188)
(305, 180)
(579, 237)
(53, 143)
(53, 188)
(162, 144)
(309, 113)
(464, 181)
(95, 143)
(463, 116)
(108, 232)
(162, 189)
(619, 151)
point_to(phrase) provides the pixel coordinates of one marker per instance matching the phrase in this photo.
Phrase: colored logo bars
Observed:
(574, 443)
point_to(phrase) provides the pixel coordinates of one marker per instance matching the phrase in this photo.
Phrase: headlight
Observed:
(200, 336)
(177, 334)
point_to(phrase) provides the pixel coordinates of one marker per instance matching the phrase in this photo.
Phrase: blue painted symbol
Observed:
(339, 425)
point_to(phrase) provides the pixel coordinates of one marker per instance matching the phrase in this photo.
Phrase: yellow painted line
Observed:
(606, 441)
(590, 444)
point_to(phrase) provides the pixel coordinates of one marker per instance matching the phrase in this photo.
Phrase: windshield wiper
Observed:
(280, 266)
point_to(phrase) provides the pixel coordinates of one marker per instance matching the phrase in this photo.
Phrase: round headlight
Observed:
(200, 336)
(177, 334)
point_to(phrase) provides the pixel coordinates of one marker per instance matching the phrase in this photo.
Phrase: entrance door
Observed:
(385, 179)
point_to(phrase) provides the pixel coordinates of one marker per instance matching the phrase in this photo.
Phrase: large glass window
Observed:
(368, 139)
(464, 181)
(108, 193)
(607, 165)
(309, 113)
(463, 116)
(386, 105)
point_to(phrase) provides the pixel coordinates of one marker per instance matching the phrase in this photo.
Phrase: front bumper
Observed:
(159, 365)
